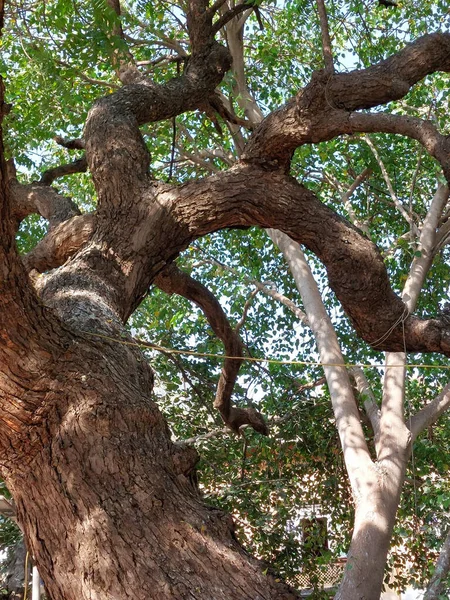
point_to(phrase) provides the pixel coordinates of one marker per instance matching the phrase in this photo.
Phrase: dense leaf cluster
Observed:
(56, 60)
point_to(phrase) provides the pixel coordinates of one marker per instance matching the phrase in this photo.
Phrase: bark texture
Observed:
(104, 497)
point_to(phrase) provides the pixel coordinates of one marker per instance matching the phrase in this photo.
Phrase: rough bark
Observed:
(103, 476)
(104, 497)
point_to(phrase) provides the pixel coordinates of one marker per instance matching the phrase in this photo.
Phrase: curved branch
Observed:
(116, 153)
(356, 271)
(62, 242)
(43, 200)
(436, 144)
(77, 166)
(244, 196)
(174, 281)
(76, 144)
(318, 112)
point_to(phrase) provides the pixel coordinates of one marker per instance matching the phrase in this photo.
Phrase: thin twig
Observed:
(408, 218)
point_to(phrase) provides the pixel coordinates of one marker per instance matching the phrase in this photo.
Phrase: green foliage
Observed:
(56, 59)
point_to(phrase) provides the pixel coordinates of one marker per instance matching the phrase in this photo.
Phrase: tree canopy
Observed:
(329, 123)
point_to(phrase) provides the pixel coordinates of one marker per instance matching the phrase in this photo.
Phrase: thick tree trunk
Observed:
(105, 498)
(375, 510)
(366, 559)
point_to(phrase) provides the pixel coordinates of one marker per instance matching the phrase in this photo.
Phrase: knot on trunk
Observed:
(184, 459)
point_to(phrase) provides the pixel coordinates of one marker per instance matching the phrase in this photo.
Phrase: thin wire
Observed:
(143, 344)
(385, 335)
(25, 583)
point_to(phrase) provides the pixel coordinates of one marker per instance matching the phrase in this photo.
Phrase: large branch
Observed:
(115, 150)
(162, 220)
(356, 271)
(246, 195)
(321, 110)
(171, 281)
(41, 199)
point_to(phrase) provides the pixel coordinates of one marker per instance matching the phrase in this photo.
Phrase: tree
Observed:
(82, 438)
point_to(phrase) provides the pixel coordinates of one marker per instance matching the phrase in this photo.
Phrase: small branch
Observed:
(244, 456)
(307, 386)
(195, 388)
(279, 420)
(78, 166)
(77, 144)
(161, 60)
(196, 160)
(203, 437)
(431, 412)
(212, 153)
(162, 41)
(346, 199)
(345, 196)
(265, 289)
(387, 179)
(88, 79)
(393, 247)
(247, 306)
(326, 41)
(216, 6)
(172, 280)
